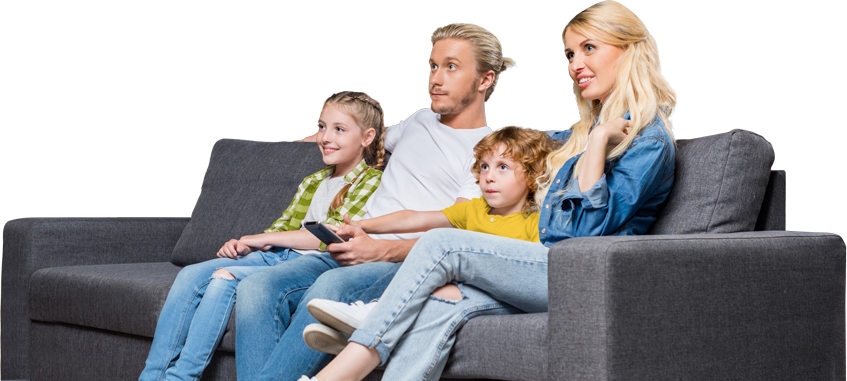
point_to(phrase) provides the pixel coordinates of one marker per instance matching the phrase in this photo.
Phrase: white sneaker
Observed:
(324, 339)
(341, 316)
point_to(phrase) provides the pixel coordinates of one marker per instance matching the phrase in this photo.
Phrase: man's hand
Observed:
(360, 248)
(310, 138)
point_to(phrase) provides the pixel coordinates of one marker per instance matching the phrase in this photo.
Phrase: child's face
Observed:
(340, 139)
(503, 182)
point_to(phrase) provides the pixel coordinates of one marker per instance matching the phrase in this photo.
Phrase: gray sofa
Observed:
(717, 290)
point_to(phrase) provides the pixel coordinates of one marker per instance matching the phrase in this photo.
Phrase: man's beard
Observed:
(465, 100)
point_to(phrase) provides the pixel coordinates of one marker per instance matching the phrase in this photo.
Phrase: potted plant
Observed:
(793, 54)
(827, 25)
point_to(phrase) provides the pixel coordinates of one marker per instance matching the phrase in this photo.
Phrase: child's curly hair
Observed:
(525, 146)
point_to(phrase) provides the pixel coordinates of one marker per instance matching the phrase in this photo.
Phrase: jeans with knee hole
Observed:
(507, 270)
(272, 313)
(196, 312)
(422, 351)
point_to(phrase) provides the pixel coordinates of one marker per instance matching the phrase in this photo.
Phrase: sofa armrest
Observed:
(743, 306)
(30, 244)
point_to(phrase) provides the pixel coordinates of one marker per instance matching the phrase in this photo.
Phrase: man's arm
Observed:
(311, 138)
(361, 248)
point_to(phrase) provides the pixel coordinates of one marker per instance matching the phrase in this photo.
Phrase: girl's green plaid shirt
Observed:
(354, 200)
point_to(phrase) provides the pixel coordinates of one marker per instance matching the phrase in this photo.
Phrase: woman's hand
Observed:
(613, 132)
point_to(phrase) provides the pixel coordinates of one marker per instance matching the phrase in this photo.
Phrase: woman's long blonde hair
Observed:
(639, 86)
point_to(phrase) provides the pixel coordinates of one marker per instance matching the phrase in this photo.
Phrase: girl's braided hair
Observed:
(367, 113)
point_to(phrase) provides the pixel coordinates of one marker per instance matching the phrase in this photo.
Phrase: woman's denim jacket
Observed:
(623, 202)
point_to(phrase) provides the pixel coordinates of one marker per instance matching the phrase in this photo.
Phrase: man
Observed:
(429, 170)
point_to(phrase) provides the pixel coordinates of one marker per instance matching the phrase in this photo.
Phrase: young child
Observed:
(195, 314)
(508, 161)
(609, 178)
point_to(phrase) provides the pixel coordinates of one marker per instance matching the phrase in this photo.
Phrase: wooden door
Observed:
(280, 18)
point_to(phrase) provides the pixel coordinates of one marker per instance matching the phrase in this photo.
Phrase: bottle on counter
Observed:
(383, 28)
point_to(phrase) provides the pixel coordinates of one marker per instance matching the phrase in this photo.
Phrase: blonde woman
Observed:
(616, 166)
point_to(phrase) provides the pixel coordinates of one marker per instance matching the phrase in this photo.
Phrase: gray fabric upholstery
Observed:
(72, 353)
(766, 305)
(510, 347)
(772, 214)
(30, 244)
(742, 306)
(246, 188)
(125, 298)
(719, 184)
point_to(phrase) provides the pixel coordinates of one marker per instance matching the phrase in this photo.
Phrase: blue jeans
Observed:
(497, 275)
(272, 314)
(195, 314)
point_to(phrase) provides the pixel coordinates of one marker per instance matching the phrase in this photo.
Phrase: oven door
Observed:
(157, 198)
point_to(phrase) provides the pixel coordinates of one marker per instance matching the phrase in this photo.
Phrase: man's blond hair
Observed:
(487, 51)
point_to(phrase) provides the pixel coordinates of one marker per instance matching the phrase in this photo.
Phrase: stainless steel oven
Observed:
(159, 185)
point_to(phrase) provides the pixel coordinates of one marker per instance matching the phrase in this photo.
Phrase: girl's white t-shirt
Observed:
(429, 168)
(321, 201)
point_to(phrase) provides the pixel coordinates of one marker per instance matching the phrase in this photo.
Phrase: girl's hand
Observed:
(613, 132)
(233, 248)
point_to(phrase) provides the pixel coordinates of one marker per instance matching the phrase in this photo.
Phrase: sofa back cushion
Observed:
(719, 184)
(247, 186)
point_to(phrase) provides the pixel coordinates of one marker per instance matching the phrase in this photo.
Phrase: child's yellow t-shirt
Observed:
(473, 215)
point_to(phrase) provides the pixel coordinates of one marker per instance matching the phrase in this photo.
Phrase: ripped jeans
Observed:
(496, 275)
(196, 313)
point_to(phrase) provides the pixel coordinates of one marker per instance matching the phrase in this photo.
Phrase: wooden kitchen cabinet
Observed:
(58, 186)
(232, 18)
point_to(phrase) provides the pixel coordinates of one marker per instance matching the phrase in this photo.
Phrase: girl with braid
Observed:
(195, 314)
(614, 169)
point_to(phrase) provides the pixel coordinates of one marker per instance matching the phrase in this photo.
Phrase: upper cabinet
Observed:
(233, 18)
(289, 21)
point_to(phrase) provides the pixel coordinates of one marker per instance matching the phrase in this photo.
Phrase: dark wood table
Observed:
(830, 187)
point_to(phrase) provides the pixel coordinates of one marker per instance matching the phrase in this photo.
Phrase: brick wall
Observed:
(698, 64)
(342, 69)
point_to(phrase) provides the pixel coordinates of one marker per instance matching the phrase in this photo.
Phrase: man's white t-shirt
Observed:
(430, 167)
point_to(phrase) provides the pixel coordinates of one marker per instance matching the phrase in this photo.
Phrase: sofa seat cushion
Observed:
(504, 347)
(124, 298)
(719, 184)
(246, 188)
